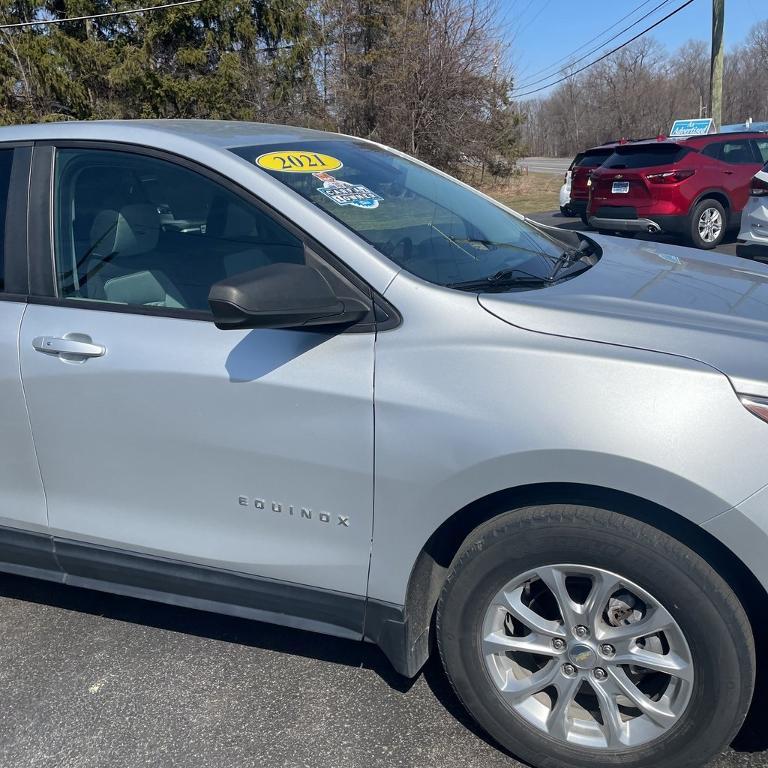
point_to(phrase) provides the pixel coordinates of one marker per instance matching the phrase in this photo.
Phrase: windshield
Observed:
(428, 224)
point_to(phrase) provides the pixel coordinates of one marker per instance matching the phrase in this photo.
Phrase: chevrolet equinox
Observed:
(304, 378)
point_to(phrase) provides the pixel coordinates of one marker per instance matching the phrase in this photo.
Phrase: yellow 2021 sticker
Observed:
(290, 161)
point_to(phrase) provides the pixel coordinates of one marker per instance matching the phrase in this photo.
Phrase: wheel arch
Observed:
(720, 195)
(431, 566)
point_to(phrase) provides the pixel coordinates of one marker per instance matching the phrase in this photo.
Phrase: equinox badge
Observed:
(301, 513)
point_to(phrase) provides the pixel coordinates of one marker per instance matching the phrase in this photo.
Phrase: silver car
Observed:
(303, 378)
(754, 219)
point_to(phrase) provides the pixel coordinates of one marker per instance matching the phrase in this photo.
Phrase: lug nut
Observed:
(569, 670)
(581, 631)
(607, 650)
(600, 673)
(558, 644)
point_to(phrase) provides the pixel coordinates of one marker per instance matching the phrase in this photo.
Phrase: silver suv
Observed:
(303, 378)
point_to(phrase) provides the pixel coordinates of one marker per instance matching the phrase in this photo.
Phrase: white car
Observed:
(754, 219)
(565, 190)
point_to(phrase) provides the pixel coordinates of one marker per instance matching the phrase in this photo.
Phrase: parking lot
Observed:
(98, 680)
(730, 245)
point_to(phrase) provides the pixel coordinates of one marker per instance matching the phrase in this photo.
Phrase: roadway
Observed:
(556, 166)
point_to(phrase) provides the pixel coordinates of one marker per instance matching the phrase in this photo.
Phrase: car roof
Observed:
(696, 141)
(216, 134)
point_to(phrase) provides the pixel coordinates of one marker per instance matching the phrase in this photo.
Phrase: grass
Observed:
(528, 193)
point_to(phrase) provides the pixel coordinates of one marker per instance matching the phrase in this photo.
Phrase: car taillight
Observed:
(759, 187)
(669, 177)
(755, 405)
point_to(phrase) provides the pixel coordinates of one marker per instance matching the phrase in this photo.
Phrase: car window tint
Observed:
(646, 156)
(576, 160)
(714, 150)
(6, 161)
(140, 231)
(738, 152)
(593, 159)
(762, 149)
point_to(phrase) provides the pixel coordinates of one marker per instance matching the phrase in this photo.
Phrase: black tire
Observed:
(705, 608)
(694, 236)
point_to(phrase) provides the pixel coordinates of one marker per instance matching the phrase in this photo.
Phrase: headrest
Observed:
(231, 221)
(132, 230)
(140, 288)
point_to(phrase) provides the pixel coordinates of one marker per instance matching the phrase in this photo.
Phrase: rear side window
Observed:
(646, 156)
(593, 159)
(6, 160)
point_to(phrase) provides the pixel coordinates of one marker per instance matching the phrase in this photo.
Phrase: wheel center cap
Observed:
(582, 656)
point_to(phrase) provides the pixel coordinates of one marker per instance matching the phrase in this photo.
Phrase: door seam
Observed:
(32, 434)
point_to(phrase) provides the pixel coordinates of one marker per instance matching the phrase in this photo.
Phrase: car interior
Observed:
(140, 231)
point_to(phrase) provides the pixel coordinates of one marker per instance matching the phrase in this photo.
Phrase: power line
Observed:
(529, 83)
(541, 10)
(589, 42)
(97, 15)
(606, 55)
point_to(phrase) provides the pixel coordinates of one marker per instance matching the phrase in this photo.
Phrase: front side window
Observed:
(429, 224)
(6, 161)
(136, 230)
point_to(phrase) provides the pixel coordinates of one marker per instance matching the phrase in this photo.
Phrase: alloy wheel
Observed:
(710, 225)
(587, 656)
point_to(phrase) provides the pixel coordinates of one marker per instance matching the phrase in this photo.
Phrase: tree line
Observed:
(429, 77)
(640, 90)
(420, 75)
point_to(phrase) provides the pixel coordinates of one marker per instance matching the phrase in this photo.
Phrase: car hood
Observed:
(665, 298)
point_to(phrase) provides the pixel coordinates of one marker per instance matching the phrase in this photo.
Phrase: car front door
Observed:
(157, 433)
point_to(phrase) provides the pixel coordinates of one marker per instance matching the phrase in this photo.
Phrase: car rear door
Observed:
(24, 542)
(159, 435)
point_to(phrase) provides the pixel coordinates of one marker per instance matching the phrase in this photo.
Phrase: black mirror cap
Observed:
(280, 296)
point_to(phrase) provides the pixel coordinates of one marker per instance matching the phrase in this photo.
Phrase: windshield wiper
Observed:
(502, 279)
(571, 256)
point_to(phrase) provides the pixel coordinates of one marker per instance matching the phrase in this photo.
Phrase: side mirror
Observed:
(281, 296)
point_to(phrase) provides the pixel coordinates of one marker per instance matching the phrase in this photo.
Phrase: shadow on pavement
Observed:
(213, 626)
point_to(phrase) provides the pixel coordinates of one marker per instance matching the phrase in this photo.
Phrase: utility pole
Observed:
(716, 71)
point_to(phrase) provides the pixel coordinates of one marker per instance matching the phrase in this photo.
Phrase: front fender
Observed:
(483, 406)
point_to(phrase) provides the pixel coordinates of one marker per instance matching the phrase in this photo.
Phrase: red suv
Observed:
(583, 165)
(695, 187)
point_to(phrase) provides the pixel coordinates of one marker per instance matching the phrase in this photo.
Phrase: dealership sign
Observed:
(691, 128)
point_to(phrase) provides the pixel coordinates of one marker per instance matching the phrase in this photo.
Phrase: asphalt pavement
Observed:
(89, 680)
(556, 166)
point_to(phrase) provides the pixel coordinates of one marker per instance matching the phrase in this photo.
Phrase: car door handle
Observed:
(74, 348)
(728, 173)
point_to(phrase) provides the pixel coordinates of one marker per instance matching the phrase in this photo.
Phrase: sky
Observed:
(541, 32)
